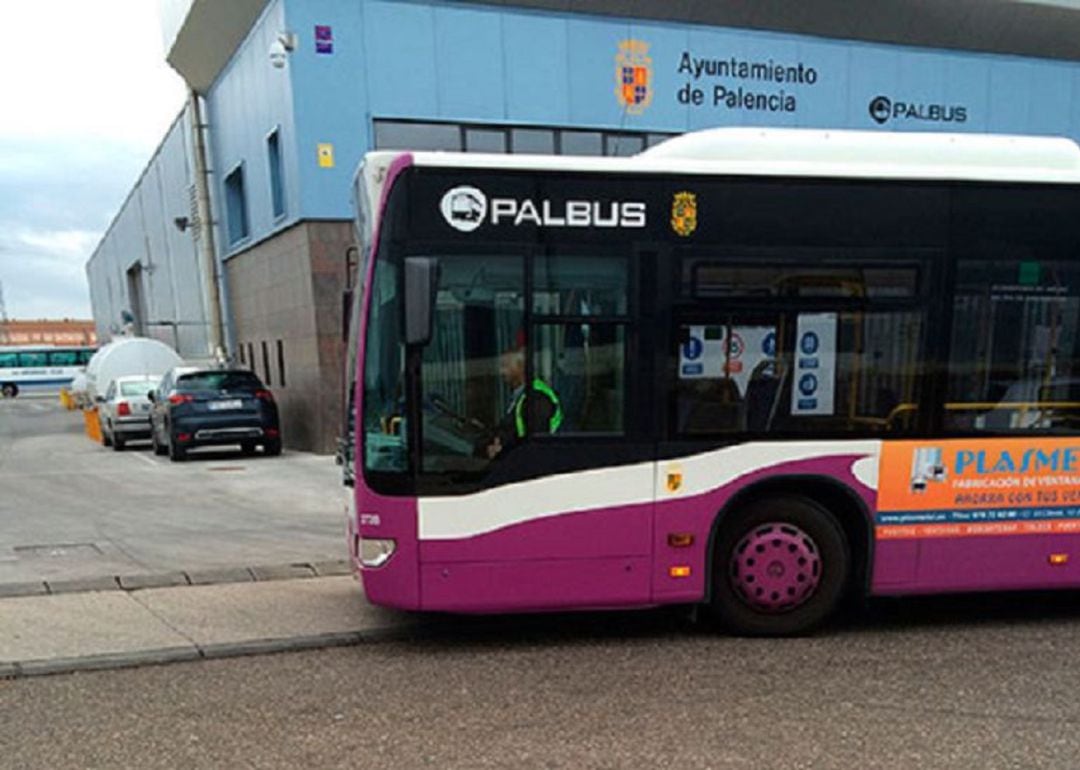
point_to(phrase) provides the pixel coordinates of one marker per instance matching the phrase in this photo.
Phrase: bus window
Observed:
(471, 369)
(1014, 363)
(585, 366)
(580, 347)
(31, 359)
(710, 278)
(384, 391)
(63, 358)
(9, 360)
(805, 372)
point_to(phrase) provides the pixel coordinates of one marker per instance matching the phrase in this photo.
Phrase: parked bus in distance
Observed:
(759, 370)
(29, 368)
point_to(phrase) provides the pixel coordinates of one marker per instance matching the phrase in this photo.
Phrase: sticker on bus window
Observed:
(813, 383)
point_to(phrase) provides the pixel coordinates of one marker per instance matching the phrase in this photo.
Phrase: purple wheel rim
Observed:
(776, 567)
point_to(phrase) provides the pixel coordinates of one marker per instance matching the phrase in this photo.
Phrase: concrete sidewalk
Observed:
(107, 629)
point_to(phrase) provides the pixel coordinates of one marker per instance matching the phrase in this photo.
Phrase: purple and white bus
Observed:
(759, 370)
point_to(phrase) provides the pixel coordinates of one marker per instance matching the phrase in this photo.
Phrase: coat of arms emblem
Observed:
(684, 213)
(633, 76)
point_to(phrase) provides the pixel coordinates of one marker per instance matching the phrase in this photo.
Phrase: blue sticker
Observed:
(810, 343)
(690, 369)
(807, 404)
(808, 363)
(807, 384)
(693, 348)
(768, 345)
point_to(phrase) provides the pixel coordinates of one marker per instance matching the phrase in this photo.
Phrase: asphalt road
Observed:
(70, 508)
(957, 683)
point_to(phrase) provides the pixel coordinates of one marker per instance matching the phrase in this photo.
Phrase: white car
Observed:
(124, 410)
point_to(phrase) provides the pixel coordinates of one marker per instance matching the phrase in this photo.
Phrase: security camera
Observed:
(279, 54)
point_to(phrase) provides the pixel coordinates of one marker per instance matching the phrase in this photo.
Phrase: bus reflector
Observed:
(681, 571)
(680, 539)
(1059, 559)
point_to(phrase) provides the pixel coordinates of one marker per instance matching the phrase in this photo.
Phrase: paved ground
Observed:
(105, 629)
(71, 509)
(945, 684)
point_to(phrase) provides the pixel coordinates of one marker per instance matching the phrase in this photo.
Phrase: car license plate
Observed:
(221, 406)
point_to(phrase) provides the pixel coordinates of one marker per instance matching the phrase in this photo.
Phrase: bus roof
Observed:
(806, 153)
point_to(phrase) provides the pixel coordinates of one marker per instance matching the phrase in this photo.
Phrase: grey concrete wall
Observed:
(143, 233)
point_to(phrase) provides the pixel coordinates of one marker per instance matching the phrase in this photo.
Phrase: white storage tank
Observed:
(126, 357)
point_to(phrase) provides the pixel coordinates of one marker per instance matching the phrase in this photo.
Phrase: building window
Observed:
(532, 140)
(400, 135)
(236, 215)
(281, 363)
(581, 143)
(251, 357)
(273, 158)
(414, 135)
(485, 140)
(266, 363)
(623, 144)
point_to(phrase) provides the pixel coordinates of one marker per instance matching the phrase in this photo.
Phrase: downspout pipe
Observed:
(219, 341)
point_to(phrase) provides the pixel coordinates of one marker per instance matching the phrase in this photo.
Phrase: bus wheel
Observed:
(9, 390)
(780, 566)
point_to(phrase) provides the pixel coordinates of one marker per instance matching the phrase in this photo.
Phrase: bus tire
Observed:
(10, 390)
(780, 567)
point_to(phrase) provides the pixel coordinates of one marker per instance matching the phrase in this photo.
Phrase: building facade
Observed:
(291, 93)
(65, 332)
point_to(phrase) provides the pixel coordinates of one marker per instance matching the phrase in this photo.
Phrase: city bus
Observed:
(761, 371)
(28, 368)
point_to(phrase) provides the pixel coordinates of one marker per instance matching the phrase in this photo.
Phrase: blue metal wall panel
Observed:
(469, 64)
(449, 61)
(249, 100)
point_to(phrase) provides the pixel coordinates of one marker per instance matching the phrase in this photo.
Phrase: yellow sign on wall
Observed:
(326, 155)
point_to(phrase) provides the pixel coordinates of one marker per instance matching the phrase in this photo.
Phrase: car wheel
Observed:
(176, 452)
(272, 447)
(780, 567)
(106, 439)
(117, 443)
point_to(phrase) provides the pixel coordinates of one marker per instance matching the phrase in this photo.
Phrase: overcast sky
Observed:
(87, 97)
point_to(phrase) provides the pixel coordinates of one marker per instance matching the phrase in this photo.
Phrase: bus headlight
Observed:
(375, 553)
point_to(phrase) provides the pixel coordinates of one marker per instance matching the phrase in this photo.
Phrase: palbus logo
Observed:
(465, 208)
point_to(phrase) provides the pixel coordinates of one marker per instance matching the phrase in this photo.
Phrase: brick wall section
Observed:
(329, 243)
(289, 288)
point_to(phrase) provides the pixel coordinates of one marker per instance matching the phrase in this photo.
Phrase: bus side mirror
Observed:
(421, 281)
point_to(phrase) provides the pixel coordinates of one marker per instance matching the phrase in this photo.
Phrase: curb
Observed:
(203, 577)
(35, 668)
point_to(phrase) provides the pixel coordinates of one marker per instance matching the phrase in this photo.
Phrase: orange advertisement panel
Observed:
(962, 487)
